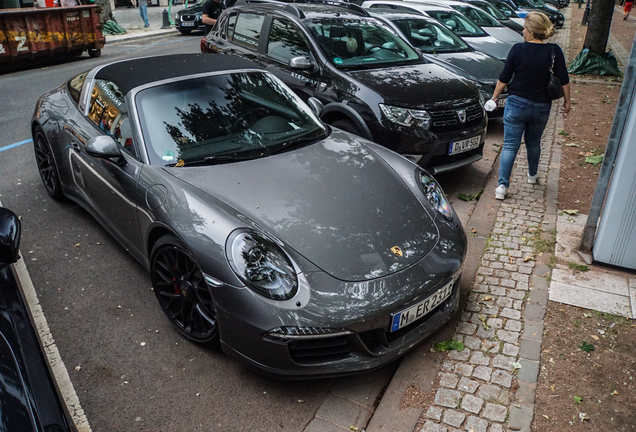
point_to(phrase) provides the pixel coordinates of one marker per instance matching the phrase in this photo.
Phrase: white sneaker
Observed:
(500, 192)
(533, 179)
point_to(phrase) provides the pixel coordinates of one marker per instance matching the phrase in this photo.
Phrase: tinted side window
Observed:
(286, 42)
(230, 25)
(247, 30)
(75, 85)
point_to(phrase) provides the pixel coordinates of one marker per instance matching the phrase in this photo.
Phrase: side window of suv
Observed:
(247, 30)
(286, 42)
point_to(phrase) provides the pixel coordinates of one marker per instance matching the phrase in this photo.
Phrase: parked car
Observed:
(371, 81)
(189, 19)
(511, 21)
(483, 19)
(303, 250)
(459, 24)
(522, 7)
(29, 398)
(441, 46)
(507, 10)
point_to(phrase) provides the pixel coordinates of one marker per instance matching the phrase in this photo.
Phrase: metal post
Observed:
(611, 150)
(580, 2)
(166, 19)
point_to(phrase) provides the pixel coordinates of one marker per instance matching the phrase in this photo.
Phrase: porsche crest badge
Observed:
(396, 251)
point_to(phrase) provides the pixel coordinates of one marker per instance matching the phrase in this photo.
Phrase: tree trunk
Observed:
(598, 27)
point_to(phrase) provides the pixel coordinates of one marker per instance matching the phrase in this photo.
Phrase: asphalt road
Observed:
(130, 369)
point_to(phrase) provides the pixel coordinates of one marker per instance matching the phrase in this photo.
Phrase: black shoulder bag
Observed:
(555, 89)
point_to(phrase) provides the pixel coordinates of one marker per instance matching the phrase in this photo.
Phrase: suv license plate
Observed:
(418, 311)
(463, 145)
(187, 24)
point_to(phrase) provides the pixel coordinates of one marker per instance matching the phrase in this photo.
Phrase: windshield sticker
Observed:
(338, 61)
(167, 156)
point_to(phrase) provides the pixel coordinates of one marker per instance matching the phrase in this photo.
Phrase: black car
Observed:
(189, 19)
(441, 46)
(371, 81)
(29, 399)
(522, 7)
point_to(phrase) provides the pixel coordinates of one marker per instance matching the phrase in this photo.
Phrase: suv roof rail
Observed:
(285, 5)
(288, 5)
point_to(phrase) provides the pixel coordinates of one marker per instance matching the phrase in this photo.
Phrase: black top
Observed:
(132, 73)
(529, 64)
(212, 9)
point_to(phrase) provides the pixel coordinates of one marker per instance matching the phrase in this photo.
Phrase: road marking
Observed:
(55, 360)
(18, 144)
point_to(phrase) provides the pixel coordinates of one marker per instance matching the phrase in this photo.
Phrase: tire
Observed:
(182, 292)
(185, 32)
(95, 53)
(46, 164)
(347, 126)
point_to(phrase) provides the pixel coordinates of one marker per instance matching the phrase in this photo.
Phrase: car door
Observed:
(109, 185)
(239, 34)
(286, 41)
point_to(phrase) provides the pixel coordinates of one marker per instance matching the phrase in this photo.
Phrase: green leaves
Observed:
(578, 399)
(449, 345)
(594, 160)
(465, 197)
(587, 347)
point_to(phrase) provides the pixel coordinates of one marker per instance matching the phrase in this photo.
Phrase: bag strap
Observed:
(552, 50)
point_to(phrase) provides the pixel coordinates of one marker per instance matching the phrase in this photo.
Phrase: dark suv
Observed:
(371, 82)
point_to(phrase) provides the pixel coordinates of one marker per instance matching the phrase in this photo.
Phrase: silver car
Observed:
(302, 250)
(462, 26)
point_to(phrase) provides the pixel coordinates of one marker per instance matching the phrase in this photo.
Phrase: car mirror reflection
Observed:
(9, 237)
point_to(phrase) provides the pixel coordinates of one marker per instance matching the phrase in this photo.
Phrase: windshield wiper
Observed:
(216, 158)
(300, 140)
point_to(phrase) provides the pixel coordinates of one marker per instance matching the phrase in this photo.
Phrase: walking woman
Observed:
(527, 73)
(627, 9)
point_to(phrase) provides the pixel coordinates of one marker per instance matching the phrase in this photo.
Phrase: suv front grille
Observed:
(448, 119)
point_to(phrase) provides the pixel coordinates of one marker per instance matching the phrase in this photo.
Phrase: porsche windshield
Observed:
(223, 118)
(360, 42)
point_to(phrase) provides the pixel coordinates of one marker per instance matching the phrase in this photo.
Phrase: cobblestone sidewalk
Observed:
(490, 385)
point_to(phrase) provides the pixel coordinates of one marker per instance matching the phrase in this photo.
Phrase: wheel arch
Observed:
(339, 111)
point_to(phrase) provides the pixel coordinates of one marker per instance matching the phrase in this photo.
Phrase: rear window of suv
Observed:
(246, 30)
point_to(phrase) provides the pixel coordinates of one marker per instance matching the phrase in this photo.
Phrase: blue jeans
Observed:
(143, 12)
(522, 117)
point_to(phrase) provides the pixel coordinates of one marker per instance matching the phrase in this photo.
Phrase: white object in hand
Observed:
(490, 105)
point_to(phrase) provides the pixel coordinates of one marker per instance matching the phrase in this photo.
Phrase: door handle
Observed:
(75, 145)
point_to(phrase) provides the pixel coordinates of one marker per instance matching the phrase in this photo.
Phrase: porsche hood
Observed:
(335, 202)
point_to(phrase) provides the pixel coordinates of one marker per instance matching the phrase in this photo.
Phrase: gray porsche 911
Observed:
(302, 250)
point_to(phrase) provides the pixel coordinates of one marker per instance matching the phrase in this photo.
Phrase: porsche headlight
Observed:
(406, 116)
(262, 265)
(435, 196)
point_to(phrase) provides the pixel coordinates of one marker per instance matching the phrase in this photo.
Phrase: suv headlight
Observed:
(262, 265)
(406, 116)
(435, 195)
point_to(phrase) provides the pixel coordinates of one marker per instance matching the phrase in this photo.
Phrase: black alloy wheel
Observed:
(46, 164)
(182, 292)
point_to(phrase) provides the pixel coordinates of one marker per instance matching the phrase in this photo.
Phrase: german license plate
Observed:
(463, 145)
(187, 24)
(414, 313)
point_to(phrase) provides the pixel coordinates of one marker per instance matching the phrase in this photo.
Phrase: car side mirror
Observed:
(316, 106)
(302, 63)
(9, 237)
(105, 147)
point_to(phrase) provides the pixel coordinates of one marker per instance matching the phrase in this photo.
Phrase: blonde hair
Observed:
(539, 25)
